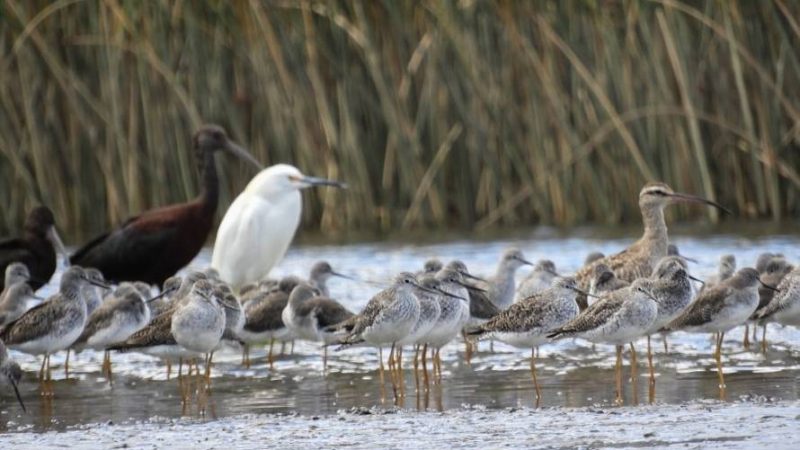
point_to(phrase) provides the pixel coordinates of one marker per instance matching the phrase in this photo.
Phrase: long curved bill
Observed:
(695, 199)
(242, 154)
(19, 397)
(58, 244)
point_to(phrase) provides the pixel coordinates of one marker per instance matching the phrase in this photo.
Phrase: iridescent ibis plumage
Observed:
(36, 248)
(154, 245)
(260, 224)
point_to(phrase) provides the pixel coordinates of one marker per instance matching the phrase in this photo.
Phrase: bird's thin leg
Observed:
(634, 376)
(41, 371)
(651, 395)
(66, 366)
(324, 358)
(467, 348)
(618, 375)
(246, 356)
(763, 339)
(169, 369)
(416, 368)
(208, 368)
(746, 341)
(380, 374)
(269, 355)
(291, 349)
(439, 365)
(425, 365)
(533, 374)
(755, 333)
(49, 377)
(666, 347)
(110, 375)
(719, 367)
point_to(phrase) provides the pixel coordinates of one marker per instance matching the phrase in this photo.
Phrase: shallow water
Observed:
(572, 373)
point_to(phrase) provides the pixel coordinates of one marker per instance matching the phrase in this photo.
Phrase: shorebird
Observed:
(638, 260)
(541, 278)
(592, 257)
(155, 244)
(308, 315)
(527, 323)
(321, 272)
(125, 312)
(773, 274)
(91, 294)
(725, 270)
(500, 287)
(263, 322)
(234, 315)
(619, 318)
(54, 324)
(785, 307)
(671, 287)
(260, 224)
(454, 315)
(430, 267)
(16, 272)
(36, 248)
(481, 307)
(14, 302)
(10, 373)
(387, 318)
(721, 308)
(604, 281)
(672, 250)
(430, 309)
(198, 324)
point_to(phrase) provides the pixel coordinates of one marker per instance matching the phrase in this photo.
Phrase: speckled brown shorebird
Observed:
(639, 259)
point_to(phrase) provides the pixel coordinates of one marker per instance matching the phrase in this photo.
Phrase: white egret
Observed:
(260, 224)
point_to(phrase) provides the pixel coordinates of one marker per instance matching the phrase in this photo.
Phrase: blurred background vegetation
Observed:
(439, 114)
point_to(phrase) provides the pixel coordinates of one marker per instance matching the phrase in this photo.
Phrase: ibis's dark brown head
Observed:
(211, 138)
(659, 195)
(39, 220)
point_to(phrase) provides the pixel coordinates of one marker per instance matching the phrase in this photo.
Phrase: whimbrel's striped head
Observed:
(659, 195)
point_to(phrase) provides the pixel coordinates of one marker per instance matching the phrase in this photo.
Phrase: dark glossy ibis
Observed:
(154, 245)
(36, 248)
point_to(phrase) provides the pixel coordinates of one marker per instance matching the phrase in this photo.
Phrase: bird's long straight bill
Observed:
(695, 199)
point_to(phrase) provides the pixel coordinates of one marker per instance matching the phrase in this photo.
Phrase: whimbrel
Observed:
(639, 259)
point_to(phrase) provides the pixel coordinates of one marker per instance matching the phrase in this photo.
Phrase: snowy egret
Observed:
(260, 224)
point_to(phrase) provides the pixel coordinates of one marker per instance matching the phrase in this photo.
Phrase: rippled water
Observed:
(572, 373)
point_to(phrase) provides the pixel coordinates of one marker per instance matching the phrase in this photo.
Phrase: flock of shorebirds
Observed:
(642, 291)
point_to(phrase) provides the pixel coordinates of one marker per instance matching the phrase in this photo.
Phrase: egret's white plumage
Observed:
(260, 224)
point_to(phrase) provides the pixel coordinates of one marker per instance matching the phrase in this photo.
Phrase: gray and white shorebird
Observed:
(540, 278)
(604, 281)
(639, 259)
(321, 272)
(10, 373)
(308, 316)
(429, 311)
(501, 286)
(263, 322)
(672, 290)
(481, 307)
(592, 257)
(774, 272)
(619, 318)
(454, 315)
(721, 308)
(527, 323)
(725, 270)
(53, 325)
(123, 313)
(387, 318)
(784, 308)
(15, 273)
(431, 267)
(198, 323)
(234, 315)
(91, 293)
(14, 302)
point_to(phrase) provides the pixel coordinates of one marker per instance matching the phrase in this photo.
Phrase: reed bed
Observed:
(439, 114)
